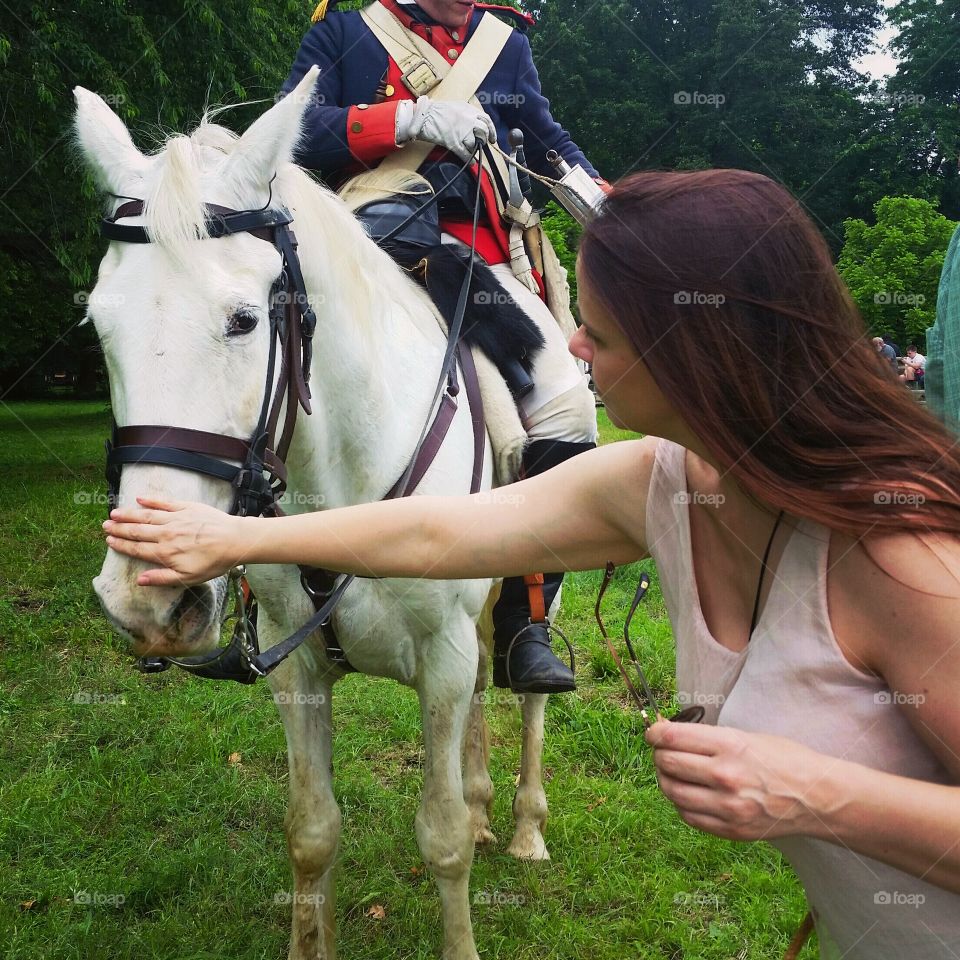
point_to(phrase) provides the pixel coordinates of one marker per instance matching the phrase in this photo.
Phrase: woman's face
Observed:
(632, 399)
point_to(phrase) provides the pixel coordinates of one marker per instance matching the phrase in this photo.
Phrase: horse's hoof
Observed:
(483, 836)
(528, 845)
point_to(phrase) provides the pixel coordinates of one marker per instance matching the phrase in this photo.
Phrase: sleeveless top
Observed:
(792, 680)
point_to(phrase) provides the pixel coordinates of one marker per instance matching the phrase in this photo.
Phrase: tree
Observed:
(564, 233)
(158, 64)
(765, 85)
(926, 89)
(893, 267)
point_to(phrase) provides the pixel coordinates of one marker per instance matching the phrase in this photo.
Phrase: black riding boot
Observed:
(533, 666)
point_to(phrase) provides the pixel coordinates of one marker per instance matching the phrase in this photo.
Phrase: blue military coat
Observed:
(353, 63)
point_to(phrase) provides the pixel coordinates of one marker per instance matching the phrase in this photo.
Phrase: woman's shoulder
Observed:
(893, 592)
(907, 564)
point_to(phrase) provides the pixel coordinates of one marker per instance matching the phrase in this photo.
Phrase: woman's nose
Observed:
(578, 346)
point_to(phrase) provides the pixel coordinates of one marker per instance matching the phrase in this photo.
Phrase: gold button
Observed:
(356, 126)
(388, 90)
(452, 54)
(362, 106)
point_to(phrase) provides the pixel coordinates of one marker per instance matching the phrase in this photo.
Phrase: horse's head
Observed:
(184, 325)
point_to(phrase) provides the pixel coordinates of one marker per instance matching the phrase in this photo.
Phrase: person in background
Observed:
(913, 364)
(888, 354)
(941, 372)
(832, 513)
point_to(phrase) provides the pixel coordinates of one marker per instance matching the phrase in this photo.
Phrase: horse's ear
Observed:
(105, 142)
(269, 142)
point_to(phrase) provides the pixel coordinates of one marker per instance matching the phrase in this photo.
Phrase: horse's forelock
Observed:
(173, 207)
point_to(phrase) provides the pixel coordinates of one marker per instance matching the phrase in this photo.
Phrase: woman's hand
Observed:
(738, 785)
(192, 542)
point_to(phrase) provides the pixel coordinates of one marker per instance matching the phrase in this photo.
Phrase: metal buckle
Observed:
(420, 78)
(151, 664)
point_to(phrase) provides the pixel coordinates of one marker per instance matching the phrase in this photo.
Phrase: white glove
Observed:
(453, 124)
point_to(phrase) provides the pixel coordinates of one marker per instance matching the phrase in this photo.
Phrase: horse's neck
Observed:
(375, 359)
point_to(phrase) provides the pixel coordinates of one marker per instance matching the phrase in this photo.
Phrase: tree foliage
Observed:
(892, 267)
(158, 64)
(765, 85)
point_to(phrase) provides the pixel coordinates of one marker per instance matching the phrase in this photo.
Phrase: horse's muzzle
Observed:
(163, 621)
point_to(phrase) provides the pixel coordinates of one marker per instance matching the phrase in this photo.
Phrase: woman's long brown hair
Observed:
(722, 278)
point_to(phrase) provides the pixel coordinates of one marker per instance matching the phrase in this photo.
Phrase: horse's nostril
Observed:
(194, 608)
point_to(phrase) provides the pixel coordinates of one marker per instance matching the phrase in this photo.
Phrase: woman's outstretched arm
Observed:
(577, 516)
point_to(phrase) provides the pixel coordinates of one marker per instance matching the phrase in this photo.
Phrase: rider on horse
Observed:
(372, 100)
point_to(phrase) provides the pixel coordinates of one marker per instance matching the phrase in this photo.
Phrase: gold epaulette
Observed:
(320, 12)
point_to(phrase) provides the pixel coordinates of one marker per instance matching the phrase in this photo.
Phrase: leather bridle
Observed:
(261, 478)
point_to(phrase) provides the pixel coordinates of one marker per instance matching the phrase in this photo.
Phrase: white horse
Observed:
(183, 325)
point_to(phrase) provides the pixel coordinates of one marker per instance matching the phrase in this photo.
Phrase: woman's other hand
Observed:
(735, 784)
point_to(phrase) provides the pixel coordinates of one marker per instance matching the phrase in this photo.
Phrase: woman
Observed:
(795, 545)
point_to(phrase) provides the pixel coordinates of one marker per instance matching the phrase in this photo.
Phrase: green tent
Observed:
(942, 370)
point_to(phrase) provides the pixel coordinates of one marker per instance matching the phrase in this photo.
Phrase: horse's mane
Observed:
(173, 214)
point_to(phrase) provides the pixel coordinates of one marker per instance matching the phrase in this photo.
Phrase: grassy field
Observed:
(142, 817)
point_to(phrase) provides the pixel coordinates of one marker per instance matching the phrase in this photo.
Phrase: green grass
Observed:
(134, 796)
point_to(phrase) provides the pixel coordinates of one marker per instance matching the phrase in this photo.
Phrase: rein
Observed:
(261, 479)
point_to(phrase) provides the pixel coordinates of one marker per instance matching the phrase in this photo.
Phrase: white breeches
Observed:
(561, 405)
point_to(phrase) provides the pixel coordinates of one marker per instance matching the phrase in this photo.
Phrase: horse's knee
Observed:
(313, 844)
(447, 847)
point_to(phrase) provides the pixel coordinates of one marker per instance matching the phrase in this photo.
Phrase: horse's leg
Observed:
(444, 832)
(477, 785)
(312, 822)
(530, 801)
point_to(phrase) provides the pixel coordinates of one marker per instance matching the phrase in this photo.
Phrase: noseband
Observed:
(261, 478)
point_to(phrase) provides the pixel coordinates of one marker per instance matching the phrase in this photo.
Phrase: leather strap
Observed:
(538, 606)
(471, 384)
(196, 441)
(220, 222)
(459, 82)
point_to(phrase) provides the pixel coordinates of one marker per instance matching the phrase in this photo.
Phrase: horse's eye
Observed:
(243, 321)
